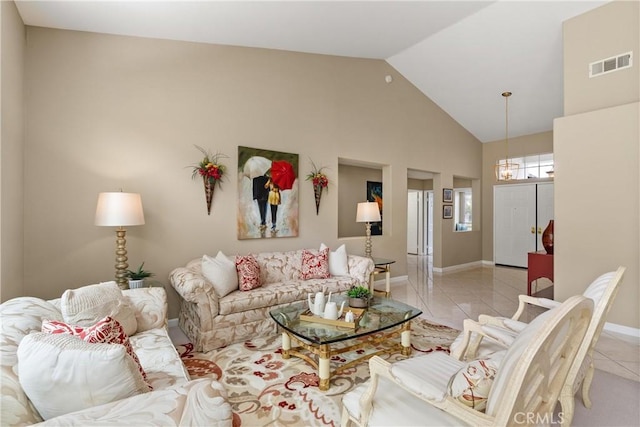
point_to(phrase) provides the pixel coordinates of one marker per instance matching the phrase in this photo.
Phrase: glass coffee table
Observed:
(383, 320)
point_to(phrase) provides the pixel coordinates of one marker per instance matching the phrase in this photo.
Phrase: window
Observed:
(534, 166)
(463, 209)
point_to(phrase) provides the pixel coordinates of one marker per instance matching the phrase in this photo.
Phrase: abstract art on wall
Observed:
(374, 194)
(267, 194)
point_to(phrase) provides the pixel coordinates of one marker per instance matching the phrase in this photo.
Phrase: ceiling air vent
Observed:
(609, 65)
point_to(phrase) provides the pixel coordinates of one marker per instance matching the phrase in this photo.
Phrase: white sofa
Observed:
(211, 321)
(175, 399)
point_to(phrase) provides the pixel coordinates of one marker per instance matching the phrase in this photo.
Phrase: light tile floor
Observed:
(449, 298)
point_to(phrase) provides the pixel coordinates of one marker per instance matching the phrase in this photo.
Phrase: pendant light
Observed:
(506, 169)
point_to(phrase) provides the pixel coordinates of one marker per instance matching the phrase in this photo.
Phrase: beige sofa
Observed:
(175, 399)
(212, 322)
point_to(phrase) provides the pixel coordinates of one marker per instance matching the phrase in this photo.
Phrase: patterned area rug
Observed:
(265, 389)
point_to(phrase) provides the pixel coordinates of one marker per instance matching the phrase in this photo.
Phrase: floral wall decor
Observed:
(211, 170)
(320, 181)
(267, 194)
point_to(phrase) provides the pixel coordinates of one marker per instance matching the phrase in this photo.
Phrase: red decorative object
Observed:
(248, 272)
(539, 264)
(315, 265)
(547, 238)
(282, 174)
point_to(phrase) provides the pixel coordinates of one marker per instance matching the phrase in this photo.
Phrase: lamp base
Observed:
(367, 242)
(121, 259)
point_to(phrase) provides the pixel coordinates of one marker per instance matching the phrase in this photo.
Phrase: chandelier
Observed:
(506, 169)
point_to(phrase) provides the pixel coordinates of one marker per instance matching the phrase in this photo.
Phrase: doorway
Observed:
(420, 222)
(420, 200)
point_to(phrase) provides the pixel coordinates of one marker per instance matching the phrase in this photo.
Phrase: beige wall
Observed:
(597, 191)
(108, 112)
(11, 151)
(607, 31)
(420, 184)
(493, 151)
(597, 204)
(353, 189)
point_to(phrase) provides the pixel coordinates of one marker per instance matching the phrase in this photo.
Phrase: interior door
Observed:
(428, 222)
(514, 223)
(413, 218)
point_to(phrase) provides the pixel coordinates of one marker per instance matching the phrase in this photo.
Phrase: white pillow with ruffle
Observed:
(221, 272)
(338, 261)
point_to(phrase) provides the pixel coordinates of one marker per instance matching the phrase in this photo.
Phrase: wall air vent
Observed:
(609, 65)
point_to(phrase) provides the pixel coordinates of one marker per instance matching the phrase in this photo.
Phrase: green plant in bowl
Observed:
(139, 274)
(359, 296)
(359, 292)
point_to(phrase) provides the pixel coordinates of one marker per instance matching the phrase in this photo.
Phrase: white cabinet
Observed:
(521, 212)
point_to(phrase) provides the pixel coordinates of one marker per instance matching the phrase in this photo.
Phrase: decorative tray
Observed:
(308, 316)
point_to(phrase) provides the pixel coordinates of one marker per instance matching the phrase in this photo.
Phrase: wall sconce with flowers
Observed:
(320, 182)
(211, 170)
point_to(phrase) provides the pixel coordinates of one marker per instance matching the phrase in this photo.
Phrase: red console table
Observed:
(539, 264)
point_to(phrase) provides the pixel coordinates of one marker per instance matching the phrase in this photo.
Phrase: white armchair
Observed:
(526, 380)
(489, 334)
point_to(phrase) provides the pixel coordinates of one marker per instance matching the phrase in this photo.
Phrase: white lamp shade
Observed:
(368, 212)
(119, 209)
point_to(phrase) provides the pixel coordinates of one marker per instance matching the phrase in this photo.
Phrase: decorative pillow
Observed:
(315, 265)
(221, 272)
(472, 383)
(248, 272)
(338, 261)
(106, 331)
(87, 305)
(61, 373)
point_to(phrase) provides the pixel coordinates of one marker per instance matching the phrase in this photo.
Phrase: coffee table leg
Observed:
(324, 368)
(405, 339)
(286, 345)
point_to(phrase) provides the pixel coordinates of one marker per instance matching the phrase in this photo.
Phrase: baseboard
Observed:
(392, 280)
(458, 267)
(173, 323)
(621, 329)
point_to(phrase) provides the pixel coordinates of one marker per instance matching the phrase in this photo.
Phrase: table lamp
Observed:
(368, 212)
(120, 210)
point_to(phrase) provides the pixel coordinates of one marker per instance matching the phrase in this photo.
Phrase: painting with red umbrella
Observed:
(267, 193)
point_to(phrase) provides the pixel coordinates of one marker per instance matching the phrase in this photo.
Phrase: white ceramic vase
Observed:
(134, 284)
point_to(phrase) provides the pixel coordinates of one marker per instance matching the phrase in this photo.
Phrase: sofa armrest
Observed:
(360, 268)
(150, 306)
(201, 402)
(192, 286)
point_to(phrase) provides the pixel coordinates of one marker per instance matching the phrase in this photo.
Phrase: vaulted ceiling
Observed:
(461, 54)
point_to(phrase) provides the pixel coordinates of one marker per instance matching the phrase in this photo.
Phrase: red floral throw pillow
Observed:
(315, 265)
(248, 272)
(107, 330)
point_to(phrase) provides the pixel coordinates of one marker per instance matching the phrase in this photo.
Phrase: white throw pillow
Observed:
(221, 272)
(338, 261)
(87, 305)
(61, 373)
